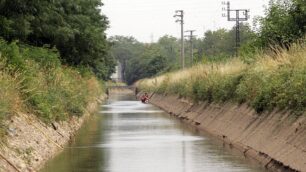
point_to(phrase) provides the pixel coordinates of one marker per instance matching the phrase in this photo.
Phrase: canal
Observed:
(128, 136)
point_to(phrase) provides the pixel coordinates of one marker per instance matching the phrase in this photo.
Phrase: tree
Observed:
(170, 47)
(221, 44)
(140, 60)
(124, 49)
(284, 23)
(75, 27)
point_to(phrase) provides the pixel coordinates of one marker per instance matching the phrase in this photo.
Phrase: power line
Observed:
(191, 36)
(237, 19)
(180, 15)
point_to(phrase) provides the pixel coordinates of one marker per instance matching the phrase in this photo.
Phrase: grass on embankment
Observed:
(33, 80)
(269, 82)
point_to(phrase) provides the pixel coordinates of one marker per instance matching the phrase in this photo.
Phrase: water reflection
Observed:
(128, 136)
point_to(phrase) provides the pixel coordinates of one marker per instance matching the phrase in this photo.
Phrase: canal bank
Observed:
(31, 143)
(277, 140)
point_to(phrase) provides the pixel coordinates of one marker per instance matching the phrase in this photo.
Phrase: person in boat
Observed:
(145, 98)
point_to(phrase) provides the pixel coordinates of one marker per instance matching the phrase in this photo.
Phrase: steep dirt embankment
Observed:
(277, 140)
(30, 142)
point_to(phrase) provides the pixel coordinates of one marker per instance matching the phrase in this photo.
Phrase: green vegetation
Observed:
(75, 27)
(272, 81)
(33, 80)
(141, 60)
(284, 23)
(52, 51)
(269, 73)
(9, 99)
(51, 54)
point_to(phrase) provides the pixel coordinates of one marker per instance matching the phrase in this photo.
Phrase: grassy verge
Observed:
(269, 82)
(32, 79)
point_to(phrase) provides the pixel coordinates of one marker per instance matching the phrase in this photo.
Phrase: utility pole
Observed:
(180, 15)
(191, 36)
(237, 19)
(152, 38)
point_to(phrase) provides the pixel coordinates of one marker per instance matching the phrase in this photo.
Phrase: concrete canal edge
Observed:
(31, 143)
(277, 140)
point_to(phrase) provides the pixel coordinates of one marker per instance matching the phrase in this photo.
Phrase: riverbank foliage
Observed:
(273, 80)
(32, 80)
(75, 27)
(50, 55)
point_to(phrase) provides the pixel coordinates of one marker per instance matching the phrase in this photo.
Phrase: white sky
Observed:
(143, 19)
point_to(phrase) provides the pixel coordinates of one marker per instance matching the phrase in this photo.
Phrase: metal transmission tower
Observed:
(191, 36)
(240, 15)
(180, 15)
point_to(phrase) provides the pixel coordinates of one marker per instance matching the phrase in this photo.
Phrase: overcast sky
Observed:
(147, 19)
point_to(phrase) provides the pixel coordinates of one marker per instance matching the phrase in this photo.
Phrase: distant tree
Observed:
(170, 47)
(156, 65)
(124, 49)
(221, 43)
(141, 60)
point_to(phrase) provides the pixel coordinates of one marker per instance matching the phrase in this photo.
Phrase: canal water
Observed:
(128, 136)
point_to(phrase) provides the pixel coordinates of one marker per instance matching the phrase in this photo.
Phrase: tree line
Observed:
(142, 60)
(284, 23)
(76, 28)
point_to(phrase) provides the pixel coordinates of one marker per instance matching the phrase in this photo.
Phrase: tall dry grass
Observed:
(273, 80)
(9, 97)
(33, 80)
